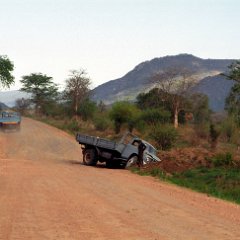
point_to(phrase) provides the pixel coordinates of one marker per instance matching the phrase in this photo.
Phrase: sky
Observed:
(108, 38)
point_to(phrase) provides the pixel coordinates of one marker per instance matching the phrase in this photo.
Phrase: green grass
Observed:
(221, 182)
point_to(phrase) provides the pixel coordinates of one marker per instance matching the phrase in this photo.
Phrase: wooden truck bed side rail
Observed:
(95, 141)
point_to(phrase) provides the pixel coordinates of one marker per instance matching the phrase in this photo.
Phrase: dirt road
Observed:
(45, 193)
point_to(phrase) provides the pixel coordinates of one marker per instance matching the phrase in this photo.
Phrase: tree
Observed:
(155, 98)
(214, 134)
(22, 104)
(101, 107)
(87, 109)
(6, 67)
(232, 103)
(154, 116)
(199, 106)
(175, 84)
(124, 112)
(234, 72)
(42, 89)
(77, 88)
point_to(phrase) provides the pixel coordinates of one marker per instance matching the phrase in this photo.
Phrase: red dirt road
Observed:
(45, 193)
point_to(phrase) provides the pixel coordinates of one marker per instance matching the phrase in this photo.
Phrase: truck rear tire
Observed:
(90, 157)
(132, 161)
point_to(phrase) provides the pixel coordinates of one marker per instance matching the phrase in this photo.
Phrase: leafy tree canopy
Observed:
(87, 109)
(233, 100)
(155, 98)
(6, 67)
(234, 72)
(124, 112)
(41, 87)
(199, 106)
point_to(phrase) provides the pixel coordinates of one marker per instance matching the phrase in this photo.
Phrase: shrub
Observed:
(52, 109)
(222, 159)
(164, 136)
(214, 134)
(202, 130)
(73, 126)
(229, 129)
(200, 108)
(155, 116)
(87, 109)
(101, 123)
(141, 126)
(124, 112)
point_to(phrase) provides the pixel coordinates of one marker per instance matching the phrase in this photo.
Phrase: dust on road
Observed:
(46, 193)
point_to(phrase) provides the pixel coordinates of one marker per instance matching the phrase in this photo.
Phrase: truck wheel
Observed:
(132, 161)
(89, 157)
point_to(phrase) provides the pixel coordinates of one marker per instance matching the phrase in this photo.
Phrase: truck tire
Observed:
(132, 161)
(89, 157)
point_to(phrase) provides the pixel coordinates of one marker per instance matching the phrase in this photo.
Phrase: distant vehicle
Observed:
(10, 119)
(123, 153)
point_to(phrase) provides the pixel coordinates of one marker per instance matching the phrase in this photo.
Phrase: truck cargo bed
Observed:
(96, 141)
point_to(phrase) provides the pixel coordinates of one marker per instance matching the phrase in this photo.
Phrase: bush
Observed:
(73, 126)
(124, 112)
(164, 136)
(222, 159)
(87, 109)
(200, 108)
(155, 116)
(202, 130)
(229, 130)
(214, 134)
(141, 126)
(101, 123)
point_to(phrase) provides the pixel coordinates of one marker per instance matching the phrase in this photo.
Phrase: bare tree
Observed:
(175, 84)
(22, 104)
(77, 88)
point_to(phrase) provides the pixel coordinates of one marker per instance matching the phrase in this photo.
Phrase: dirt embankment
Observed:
(179, 160)
(46, 193)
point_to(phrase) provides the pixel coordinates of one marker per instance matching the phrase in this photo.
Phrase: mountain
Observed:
(217, 89)
(10, 97)
(137, 80)
(3, 106)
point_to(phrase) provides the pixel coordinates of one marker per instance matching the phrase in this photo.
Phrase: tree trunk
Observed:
(176, 117)
(37, 109)
(76, 107)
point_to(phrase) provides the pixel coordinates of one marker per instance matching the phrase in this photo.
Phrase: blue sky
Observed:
(108, 38)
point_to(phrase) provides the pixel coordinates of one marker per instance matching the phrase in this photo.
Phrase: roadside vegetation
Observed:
(221, 179)
(199, 149)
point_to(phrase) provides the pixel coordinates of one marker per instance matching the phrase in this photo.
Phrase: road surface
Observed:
(46, 193)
